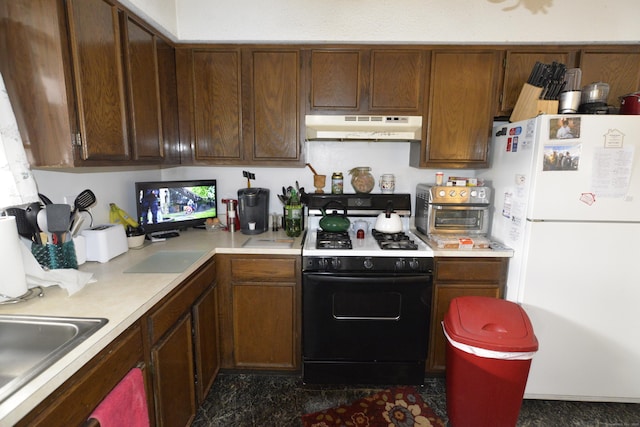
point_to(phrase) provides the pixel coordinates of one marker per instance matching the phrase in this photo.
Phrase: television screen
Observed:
(175, 205)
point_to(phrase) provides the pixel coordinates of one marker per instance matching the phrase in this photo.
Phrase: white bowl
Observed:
(135, 241)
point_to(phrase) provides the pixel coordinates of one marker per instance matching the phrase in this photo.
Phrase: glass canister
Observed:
(337, 183)
(361, 179)
(387, 183)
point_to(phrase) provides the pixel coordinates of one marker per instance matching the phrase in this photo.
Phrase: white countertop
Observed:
(124, 297)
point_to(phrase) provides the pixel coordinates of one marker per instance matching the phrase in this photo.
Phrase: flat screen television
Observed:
(175, 205)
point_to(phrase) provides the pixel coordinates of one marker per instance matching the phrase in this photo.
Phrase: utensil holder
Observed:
(55, 256)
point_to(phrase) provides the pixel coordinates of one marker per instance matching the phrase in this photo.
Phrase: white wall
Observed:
(412, 21)
(325, 157)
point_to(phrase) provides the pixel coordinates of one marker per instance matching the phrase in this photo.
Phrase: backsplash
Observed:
(116, 186)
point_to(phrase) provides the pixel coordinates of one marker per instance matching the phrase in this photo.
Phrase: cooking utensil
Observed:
(31, 214)
(334, 222)
(83, 201)
(58, 221)
(312, 169)
(389, 221)
(24, 227)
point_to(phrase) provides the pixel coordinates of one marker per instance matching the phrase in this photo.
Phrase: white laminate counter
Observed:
(496, 250)
(122, 298)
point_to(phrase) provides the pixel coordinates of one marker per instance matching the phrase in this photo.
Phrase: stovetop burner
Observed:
(390, 241)
(333, 240)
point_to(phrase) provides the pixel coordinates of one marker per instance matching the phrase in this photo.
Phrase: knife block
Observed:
(529, 104)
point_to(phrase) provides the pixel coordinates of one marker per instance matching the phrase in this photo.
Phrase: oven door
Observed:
(458, 219)
(359, 317)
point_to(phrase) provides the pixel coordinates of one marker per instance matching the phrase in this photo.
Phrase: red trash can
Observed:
(490, 344)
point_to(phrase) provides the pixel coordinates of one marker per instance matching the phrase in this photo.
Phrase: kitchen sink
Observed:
(30, 344)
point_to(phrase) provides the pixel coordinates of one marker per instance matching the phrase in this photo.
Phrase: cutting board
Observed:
(166, 262)
(256, 242)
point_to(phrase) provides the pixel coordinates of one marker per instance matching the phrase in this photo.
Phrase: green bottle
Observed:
(293, 215)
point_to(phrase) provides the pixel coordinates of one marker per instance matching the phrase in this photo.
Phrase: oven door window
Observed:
(458, 219)
(359, 305)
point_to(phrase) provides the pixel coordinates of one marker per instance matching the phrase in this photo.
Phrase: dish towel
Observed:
(125, 405)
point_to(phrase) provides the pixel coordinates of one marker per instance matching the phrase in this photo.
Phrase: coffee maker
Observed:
(253, 204)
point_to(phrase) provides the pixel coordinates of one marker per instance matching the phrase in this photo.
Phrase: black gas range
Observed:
(363, 290)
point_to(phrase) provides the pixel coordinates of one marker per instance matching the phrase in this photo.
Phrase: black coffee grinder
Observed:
(253, 205)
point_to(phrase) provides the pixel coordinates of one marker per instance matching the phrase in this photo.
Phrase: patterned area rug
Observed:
(398, 407)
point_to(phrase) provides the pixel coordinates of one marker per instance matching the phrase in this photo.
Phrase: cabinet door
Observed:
(461, 106)
(173, 376)
(620, 69)
(518, 66)
(168, 101)
(335, 79)
(206, 337)
(272, 105)
(443, 294)
(397, 80)
(99, 83)
(144, 93)
(216, 109)
(263, 319)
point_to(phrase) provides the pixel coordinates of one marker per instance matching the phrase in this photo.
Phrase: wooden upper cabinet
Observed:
(461, 109)
(83, 78)
(144, 93)
(397, 79)
(99, 83)
(216, 105)
(619, 68)
(367, 81)
(167, 78)
(517, 68)
(335, 80)
(271, 105)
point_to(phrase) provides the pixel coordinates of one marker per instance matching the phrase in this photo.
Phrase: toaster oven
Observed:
(452, 210)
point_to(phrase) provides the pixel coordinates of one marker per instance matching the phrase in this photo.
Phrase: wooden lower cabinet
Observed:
(455, 277)
(259, 305)
(176, 344)
(206, 342)
(183, 342)
(73, 402)
(173, 376)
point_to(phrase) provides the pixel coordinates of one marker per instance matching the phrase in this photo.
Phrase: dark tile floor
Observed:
(247, 400)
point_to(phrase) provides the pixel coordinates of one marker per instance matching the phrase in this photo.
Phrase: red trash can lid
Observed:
(490, 323)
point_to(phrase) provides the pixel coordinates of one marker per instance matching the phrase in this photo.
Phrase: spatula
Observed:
(58, 220)
(84, 200)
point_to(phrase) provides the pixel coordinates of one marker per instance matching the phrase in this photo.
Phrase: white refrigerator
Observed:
(567, 200)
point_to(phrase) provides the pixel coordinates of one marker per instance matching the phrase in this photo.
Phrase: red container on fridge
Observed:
(490, 344)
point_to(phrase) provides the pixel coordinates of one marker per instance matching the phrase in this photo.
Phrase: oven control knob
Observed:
(400, 264)
(463, 193)
(452, 193)
(368, 263)
(323, 263)
(474, 193)
(442, 193)
(414, 264)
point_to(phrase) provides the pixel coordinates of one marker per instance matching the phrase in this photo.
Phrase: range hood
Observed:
(363, 128)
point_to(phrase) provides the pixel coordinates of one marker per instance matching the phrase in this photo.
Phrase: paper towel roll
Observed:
(14, 281)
